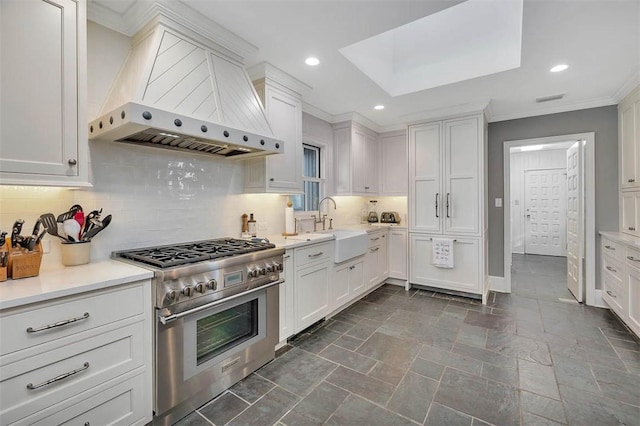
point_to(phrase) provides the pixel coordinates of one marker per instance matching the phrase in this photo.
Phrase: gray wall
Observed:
(603, 121)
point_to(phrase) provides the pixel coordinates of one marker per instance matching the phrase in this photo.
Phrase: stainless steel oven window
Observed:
(216, 334)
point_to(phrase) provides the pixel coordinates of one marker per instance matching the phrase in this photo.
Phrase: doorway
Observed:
(541, 245)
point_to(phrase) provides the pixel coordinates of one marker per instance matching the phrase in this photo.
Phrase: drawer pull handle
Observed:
(374, 249)
(610, 248)
(631, 180)
(286, 257)
(375, 239)
(317, 254)
(610, 293)
(631, 228)
(611, 269)
(58, 324)
(31, 386)
(633, 259)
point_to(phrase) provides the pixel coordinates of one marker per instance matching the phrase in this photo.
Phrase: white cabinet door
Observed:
(287, 302)
(398, 254)
(630, 211)
(462, 190)
(633, 299)
(340, 286)
(356, 279)
(372, 266)
(384, 257)
(629, 140)
(358, 161)
(426, 206)
(464, 276)
(342, 160)
(371, 165)
(312, 294)
(393, 161)
(43, 99)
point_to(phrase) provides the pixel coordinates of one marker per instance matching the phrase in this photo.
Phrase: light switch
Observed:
(498, 202)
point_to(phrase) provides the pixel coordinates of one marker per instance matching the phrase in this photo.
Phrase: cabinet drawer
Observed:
(613, 249)
(633, 257)
(31, 384)
(377, 238)
(122, 404)
(613, 293)
(314, 253)
(34, 326)
(613, 267)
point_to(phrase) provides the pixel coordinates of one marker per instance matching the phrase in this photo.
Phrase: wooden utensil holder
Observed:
(23, 263)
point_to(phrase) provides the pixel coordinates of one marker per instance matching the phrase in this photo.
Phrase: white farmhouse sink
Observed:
(349, 244)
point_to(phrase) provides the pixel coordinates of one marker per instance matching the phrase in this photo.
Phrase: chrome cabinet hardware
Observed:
(448, 195)
(288, 256)
(610, 248)
(352, 268)
(610, 293)
(58, 324)
(631, 180)
(374, 249)
(633, 259)
(31, 386)
(632, 228)
(320, 253)
(72, 161)
(437, 195)
(609, 268)
(375, 239)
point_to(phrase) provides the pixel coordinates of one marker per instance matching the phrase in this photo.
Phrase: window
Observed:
(313, 181)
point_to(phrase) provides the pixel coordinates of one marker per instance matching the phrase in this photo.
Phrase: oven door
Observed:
(202, 352)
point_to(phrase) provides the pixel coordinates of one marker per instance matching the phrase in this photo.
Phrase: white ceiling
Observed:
(599, 40)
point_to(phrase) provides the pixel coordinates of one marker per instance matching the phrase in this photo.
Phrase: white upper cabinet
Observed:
(43, 135)
(393, 161)
(444, 179)
(629, 135)
(281, 96)
(356, 160)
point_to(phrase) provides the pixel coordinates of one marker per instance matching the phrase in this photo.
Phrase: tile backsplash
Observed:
(162, 197)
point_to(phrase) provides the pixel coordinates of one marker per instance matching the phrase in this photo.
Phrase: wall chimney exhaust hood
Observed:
(180, 90)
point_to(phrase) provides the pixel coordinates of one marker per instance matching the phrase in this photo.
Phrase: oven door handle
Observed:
(173, 317)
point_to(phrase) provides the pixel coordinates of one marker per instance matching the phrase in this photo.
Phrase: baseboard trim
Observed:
(498, 284)
(396, 281)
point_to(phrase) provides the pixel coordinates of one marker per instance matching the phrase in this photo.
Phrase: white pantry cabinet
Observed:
(447, 181)
(629, 141)
(356, 167)
(286, 293)
(393, 161)
(279, 173)
(398, 253)
(71, 358)
(43, 124)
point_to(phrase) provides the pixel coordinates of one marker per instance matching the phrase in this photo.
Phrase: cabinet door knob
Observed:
(271, 179)
(72, 161)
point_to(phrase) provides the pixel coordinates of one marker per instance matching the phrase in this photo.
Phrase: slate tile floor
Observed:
(406, 358)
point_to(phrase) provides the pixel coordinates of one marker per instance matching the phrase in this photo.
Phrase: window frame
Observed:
(322, 180)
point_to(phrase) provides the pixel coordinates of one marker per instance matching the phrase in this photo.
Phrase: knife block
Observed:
(23, 263)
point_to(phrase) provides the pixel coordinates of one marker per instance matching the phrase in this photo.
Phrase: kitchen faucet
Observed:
(324, 216)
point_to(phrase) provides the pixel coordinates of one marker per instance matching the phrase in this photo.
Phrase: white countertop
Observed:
(622, 238)
(63, 281)
(299, 241)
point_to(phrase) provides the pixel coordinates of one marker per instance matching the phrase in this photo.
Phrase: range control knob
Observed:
(212, 284)
(187, 291)
(171, 295)
(271, 268)
(263, 271)
(252, 273)
(280, 267)
(201, 287)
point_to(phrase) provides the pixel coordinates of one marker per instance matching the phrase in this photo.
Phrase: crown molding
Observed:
(596, 103)
(142, 12)
(441, 113)
(629, 86)
(272, 74)
(317, 112)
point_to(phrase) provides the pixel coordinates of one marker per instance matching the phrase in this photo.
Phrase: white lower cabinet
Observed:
(633, 297)
(81, 356)
(313, 271)
(397, 254)
(286, 290)
(376, 263)
(348, 282)
(465, 276)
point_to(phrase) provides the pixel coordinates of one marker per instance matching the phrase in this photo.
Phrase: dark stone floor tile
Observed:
(624, 344)
(487, 400)
(574, 373)
(316, 407)
(357, 411)
(529, 419)
(317, 341)
(518, 346)
(440, 415)
(372, 389)
(618, 385)
(451, 359)
(348, 342)
(387, 373)
(432, 336)
(393, 350)
(372, 311)
(224, 408)
(346, 317)
(338, 326)
(427, 368)
(413, 397)
(537, 378)
(478, 422)
(449, 324)
(349, 359)
(484, 355)
(268, 409)
(454, 311)
(506, 375)
(297, 371)
(252, 388)
(631, 360)
(364, 329)
(618, 334)
(583, 408)
(472, 335)
(542, 406)
(193, 419)
(376, 297)
(490, 321)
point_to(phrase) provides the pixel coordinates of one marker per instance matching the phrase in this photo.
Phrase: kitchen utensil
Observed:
(3, 239)
(69, 214)
(44, 231)
(87, 236)
(16, 238)
(79, 217)
(72, 229)
(88, 220)
(49, 222)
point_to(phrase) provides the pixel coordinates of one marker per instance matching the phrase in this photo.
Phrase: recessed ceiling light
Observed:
(559, 68)
(378, 107)
(312, 61)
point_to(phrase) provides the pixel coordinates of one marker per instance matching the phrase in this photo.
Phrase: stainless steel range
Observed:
(216, 304)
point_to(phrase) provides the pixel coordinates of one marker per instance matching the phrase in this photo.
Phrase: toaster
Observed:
(390, 217)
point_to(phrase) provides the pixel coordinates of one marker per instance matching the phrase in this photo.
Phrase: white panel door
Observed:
(575, 220)
(426, 199)
(545, 212)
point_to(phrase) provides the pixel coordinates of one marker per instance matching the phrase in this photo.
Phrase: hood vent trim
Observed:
(176, 82)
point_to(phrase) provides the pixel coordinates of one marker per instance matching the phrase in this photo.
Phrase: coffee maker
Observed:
(373, 212)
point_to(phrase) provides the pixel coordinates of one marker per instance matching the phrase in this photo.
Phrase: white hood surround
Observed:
(181, 90)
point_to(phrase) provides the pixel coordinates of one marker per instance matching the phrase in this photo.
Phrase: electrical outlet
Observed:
(498, 202)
